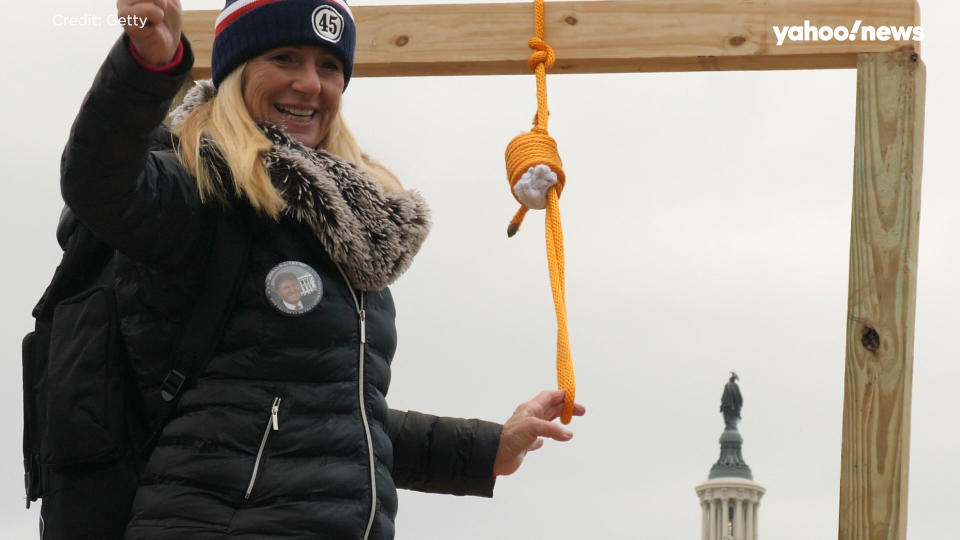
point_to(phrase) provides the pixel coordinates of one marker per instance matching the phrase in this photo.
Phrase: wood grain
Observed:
(888, 151)
(606, 36)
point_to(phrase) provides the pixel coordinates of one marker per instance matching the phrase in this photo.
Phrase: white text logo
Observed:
(809, 32)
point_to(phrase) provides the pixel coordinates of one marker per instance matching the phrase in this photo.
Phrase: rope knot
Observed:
(542, 54)
(528, 150)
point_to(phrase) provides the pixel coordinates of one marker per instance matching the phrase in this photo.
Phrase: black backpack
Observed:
(85, 438)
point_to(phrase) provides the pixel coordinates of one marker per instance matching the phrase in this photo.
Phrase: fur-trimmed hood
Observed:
(372, 234)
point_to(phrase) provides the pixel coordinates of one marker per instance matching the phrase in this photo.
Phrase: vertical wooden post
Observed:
(888, 153)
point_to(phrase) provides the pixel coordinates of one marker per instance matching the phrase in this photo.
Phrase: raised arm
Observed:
(141, 202)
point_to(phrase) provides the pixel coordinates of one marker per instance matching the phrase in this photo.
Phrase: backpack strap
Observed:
(204, 328)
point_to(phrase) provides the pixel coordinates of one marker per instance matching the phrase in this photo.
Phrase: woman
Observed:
(286, 434)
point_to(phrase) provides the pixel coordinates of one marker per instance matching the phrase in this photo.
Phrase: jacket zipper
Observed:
(273, 424)
(363, 408)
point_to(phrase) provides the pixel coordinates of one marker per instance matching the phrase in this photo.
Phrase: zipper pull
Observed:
(363, 325)
(274, 414)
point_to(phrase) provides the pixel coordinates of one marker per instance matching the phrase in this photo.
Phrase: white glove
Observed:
(532, 187)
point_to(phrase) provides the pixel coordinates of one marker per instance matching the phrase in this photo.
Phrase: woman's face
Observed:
(298, 87)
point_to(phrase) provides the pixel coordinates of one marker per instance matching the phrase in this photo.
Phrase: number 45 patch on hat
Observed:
(328, 23)
(294, 288)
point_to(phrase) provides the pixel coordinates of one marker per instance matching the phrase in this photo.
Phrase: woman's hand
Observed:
(531, 421)
(159, 38)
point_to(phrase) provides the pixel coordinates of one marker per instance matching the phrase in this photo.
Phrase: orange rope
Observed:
(538, 148)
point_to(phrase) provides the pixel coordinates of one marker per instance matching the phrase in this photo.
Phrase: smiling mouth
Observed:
(297, 114)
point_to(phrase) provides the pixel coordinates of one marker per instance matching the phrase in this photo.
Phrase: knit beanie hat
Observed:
(249, 28)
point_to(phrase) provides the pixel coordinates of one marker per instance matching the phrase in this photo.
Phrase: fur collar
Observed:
(373, 235)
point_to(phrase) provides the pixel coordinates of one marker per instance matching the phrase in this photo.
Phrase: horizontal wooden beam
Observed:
(602, 36)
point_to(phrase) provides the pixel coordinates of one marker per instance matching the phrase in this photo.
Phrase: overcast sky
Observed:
(706, 219)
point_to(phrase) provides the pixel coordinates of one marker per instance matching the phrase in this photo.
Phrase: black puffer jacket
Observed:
(287, 433)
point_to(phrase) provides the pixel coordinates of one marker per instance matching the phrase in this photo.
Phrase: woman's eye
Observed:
(331, 65)
(282, 58)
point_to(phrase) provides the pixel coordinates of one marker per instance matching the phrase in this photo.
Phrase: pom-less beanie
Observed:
(249, 28)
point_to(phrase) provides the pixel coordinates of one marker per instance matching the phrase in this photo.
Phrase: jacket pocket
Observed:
(273, 424)
(82, 395)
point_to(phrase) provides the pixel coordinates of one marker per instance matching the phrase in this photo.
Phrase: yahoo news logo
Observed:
(809, 32)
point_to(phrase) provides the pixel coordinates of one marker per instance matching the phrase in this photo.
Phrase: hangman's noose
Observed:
(533, 166)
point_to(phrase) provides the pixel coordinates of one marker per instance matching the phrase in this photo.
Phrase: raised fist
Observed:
(153, 26)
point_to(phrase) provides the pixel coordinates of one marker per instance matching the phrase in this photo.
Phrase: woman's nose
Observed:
(308, 82)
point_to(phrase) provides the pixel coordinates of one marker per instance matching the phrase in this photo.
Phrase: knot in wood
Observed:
(870, 339)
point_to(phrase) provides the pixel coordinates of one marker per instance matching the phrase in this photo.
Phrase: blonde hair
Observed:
(236, 139)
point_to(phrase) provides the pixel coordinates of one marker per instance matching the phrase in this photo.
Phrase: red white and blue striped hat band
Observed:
(238, 8)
